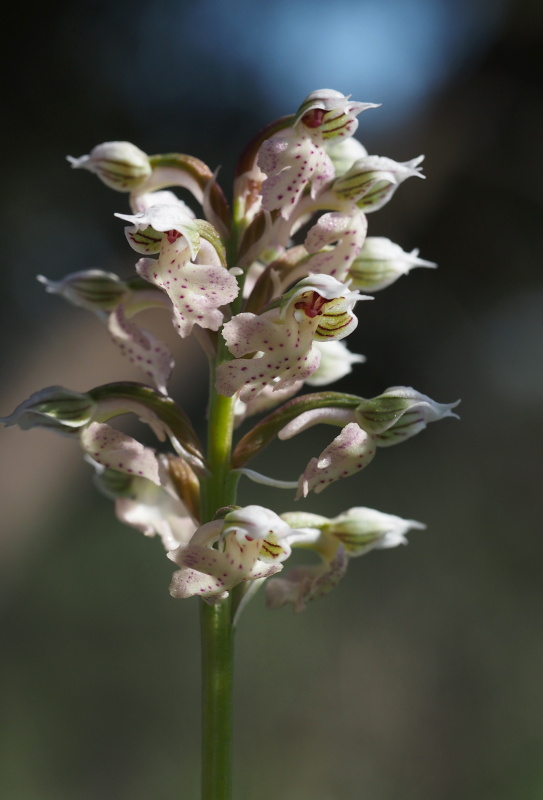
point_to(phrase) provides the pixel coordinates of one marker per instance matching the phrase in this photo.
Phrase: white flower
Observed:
(281, 340)
(196, 291)
(372, 180)
(396, 415)
(249, 544)
(115, 302)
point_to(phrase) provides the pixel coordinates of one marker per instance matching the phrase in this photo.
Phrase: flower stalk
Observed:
(217, 638)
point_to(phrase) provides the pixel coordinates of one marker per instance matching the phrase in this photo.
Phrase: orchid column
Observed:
(271, 310)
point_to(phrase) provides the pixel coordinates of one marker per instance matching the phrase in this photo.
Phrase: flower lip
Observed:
(311, 303)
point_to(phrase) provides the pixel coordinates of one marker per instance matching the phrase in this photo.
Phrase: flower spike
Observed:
(269, 290)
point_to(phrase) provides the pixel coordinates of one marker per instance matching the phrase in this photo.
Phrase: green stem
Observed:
(215, 620)
(217, 658)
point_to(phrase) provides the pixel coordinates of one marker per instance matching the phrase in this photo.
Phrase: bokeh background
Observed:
(421, 676)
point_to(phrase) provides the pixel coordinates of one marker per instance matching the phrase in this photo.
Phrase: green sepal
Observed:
(208, 232)
(378, 414)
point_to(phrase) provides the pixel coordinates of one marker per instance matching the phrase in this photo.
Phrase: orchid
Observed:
(317, 308)
(372, 180)
(252, 543)
(196, 291)
(268, 286)
(353, 533)
(394, 416)
(296, 158)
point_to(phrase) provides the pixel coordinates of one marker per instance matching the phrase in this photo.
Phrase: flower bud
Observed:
(380, 263)
(54, 407)
(363, 529)
(329, 114)
(92, 289)
(399, 413)
(371, 181)
(120, 165)
(344, 152)
(336, 362)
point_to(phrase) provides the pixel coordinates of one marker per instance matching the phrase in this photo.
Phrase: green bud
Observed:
(120, 165)
(399, 413)
(92, 289)
(54, 407)
(380, 263)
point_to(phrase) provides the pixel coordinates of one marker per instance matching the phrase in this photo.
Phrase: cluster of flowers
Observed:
(271, 315)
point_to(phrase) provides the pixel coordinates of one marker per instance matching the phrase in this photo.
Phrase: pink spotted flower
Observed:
(280, 342)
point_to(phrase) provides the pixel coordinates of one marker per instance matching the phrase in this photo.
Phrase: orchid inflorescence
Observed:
(271, 314)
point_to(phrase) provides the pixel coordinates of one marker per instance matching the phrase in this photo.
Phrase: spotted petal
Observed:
(141, 348)
(349, 452)
(291, 162)
(301, 585)
(196, 291)
(287, 355)
(347, 230)
(116, 450)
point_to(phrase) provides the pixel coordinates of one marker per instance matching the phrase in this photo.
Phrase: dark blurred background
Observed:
(420, 676)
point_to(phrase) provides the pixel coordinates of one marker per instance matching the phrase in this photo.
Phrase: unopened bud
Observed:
(363, 529)
(371, 181)
(380, 263)
(120, 165)
(399, 413)
(54, 407)
(92, 289)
